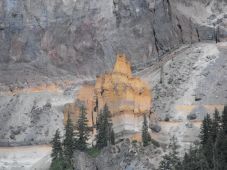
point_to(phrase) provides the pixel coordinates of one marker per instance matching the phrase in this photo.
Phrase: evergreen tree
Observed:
(211, 154)
(109, 126)
(195, 159)
(216, 125)
(224, 120)
(220, 161)
(68, 143)
(146, 138)
(190, 159)
(208, 152)
(203, 163)
(101, 140)
(82, 130)
(171, 161)
(221, 144)
(105, 133)
(56, 146)
(205, 129)
(107, 123)
(57, 153)
(206, 138)
(58, 164)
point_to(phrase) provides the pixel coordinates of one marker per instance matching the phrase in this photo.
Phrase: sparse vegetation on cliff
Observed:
(210, 153)
(62, 152)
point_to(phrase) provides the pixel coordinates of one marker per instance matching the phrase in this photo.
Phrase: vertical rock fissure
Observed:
(155, 42)
(181, 31)
(158, 45)
(197, 32)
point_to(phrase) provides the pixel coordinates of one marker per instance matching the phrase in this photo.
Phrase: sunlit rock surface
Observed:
(127, 97)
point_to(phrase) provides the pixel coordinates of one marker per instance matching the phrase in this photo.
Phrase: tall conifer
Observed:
(146, 138)
(82, 129)
(57, 153)
(68, 143)
(105, 134)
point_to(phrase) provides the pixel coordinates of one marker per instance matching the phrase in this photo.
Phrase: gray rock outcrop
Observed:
(123, 156)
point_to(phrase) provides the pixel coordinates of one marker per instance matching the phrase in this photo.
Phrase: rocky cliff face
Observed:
(50, 42)
(127, 97)
(62, 37)
(48, 47)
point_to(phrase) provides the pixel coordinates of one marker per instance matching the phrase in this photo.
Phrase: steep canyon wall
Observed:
(57, 37)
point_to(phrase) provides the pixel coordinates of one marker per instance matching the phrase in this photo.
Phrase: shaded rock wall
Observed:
(82, 36)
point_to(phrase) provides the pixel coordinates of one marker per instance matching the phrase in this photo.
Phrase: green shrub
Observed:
(57, 164)
(93, 152)
(134, 141)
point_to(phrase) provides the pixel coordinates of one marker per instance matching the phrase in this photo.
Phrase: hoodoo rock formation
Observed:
(127, 97)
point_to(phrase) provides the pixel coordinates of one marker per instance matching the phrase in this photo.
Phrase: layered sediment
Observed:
(126, 96)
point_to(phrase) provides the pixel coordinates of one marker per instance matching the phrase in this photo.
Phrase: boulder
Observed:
(156, 128)
(192, 116)
(189, 125)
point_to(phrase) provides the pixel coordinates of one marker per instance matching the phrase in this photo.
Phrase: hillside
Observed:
(50, 48)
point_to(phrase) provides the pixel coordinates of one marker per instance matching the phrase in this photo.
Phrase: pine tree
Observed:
(105, 133)
(56, 146)
(57, 153)
(205, 129)
(221, 151)
(208, 151)
(82, 130)
(146, 138)
(108, 125)
(58, 164)
(206, 138)
(68, 143)
(212, 151)
(221, 144)
(224, 120)
(100, 136)
(216, 125)
(195, 159)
